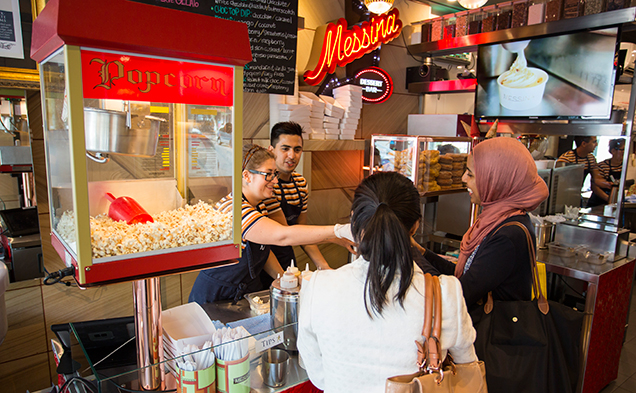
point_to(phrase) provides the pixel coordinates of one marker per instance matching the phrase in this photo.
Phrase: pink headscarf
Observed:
(507, 184)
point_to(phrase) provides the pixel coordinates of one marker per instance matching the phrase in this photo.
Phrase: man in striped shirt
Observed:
(585, 145)
(610, 170)
(286, 142)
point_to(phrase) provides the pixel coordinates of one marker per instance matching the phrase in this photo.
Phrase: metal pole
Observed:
(147, 295)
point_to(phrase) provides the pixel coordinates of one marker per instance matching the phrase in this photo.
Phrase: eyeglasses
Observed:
(269, 176)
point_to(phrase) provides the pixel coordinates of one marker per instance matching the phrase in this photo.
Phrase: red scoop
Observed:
(127, 209)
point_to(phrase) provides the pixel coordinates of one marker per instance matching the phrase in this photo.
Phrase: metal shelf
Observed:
(588, 128)
(438, 87)
(470, 43)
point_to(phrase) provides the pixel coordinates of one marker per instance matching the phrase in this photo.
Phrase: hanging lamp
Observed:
(470, 4)
(378, 6)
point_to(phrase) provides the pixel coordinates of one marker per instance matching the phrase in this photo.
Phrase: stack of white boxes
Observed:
(333, 114)
(350, 98)
(294, 110)
(315, 129)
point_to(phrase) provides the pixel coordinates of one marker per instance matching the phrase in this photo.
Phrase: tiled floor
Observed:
(626, 381)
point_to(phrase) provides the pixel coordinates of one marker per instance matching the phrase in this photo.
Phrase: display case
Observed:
(142, 137)
(434, 164)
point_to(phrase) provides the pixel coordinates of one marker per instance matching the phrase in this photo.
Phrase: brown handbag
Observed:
(436, 375)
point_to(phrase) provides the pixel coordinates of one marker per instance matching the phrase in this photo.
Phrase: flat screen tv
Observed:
(567, 76)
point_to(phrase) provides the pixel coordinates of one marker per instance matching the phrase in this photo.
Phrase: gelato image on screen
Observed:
(521, 87)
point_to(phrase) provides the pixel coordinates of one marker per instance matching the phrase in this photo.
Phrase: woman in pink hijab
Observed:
(502, 178)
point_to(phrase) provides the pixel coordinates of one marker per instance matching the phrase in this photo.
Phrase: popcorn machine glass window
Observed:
(156, 156)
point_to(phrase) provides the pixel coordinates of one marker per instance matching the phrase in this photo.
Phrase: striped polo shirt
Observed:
(249, 214)
(604, 169)
(571, 157)
(295, 191)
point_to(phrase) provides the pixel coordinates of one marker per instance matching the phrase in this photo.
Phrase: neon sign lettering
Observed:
(341, 46)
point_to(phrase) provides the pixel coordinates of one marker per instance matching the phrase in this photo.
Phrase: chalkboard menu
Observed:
(272, 26)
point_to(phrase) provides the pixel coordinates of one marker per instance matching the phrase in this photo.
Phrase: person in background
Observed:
(585, 145)
(610, 170)
(357, 324)
(291, 194)
(258, 231)
(502, 178)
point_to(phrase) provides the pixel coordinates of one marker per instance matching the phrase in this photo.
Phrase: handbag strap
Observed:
(542, 301)
(429, 352)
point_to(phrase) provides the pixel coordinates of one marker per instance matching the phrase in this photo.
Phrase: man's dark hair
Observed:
(579, 139)
(285, 128)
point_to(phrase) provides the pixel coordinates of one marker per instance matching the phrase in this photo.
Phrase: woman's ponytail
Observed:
(385, 207)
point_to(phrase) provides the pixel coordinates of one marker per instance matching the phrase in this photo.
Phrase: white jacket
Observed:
(344, 350)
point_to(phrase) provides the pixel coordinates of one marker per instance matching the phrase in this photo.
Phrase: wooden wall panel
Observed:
(327, 207)
(70, 304)
(26, 335)
(170, 291)
(336, 169)
(25, 374)
(187, 281)
(255, 115)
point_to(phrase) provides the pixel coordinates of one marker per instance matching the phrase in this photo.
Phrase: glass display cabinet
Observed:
(434, 164)
(132, 128)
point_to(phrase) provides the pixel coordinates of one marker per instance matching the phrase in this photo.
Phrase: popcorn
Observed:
(192, 224)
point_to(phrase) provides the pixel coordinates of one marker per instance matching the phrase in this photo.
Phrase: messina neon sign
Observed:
(341, 46)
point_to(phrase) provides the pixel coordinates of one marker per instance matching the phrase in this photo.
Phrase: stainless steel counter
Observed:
(571, 267)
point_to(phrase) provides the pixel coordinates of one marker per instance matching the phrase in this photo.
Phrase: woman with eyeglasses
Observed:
(258, 232)
(608, 169)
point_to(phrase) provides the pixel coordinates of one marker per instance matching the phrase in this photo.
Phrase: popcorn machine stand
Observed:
(133, 96)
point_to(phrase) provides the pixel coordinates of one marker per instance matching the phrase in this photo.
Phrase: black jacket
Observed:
(501, 265)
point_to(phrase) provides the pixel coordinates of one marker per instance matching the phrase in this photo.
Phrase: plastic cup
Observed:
(127, 209)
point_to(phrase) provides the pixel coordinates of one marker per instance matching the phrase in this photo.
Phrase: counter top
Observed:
(571, 267)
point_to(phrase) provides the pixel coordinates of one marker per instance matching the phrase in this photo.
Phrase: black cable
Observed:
(570, 286)
(85, 382)
(56, 277)
(407, 48)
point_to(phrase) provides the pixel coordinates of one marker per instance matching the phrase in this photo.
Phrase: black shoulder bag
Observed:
(529, 346)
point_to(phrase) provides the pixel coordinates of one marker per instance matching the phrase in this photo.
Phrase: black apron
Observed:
(285, 254)
(232, 282)
(596, 200)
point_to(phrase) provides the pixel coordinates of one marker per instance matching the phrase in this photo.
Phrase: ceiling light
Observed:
(470, 4)
(378, 6)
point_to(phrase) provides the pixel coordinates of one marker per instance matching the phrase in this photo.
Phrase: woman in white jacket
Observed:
(358, 324)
